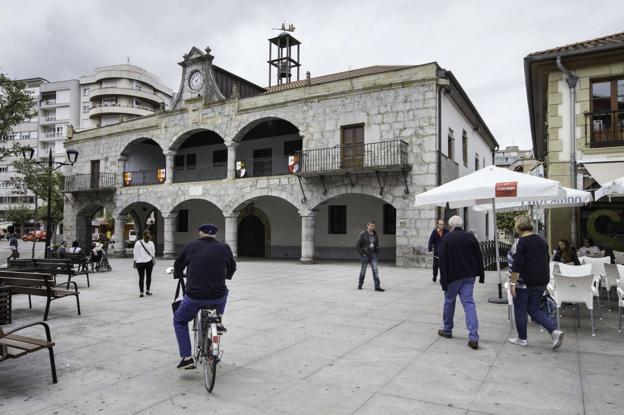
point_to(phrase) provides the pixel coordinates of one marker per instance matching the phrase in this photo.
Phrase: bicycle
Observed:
(207, 341)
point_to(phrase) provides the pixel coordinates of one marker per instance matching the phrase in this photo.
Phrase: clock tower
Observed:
(198, 80)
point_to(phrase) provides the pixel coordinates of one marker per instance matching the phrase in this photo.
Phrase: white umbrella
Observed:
(572, 198)
(611, 189)
(491, 184)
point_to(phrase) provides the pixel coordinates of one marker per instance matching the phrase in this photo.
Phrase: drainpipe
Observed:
(572, 80)
(443, 86)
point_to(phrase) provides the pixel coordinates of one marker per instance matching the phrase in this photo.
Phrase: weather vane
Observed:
(290, 28)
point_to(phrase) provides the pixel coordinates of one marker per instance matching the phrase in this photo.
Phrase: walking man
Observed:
(434, 243)
(460, 263)
(368, 247)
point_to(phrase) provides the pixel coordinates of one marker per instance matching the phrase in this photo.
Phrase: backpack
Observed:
(548, 306)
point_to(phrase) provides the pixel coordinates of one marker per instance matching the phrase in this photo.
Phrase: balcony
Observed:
(49, 119)
(200, 173)
(98, 93)
(95, 182)
(51, 136)
(260, 167)
(606, 129)
(144, 177)
(98, 110)
(357, 158)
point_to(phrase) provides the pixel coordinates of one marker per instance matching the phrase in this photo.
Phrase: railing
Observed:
(90, 182)
(49, 101)
(53, 135)
(265, 166)
(488, 250)
(200, 173)
(50, 118)
(143, 177)
(605, 128)
(383, 154)
(114, 104)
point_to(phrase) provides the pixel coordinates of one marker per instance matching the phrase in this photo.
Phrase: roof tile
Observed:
(614, 39)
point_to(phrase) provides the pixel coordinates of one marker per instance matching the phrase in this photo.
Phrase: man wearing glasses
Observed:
(434, 242)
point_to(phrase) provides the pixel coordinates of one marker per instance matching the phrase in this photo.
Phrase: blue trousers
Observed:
(372, 260)
(463, 288)
(185, 313)
(527, 301)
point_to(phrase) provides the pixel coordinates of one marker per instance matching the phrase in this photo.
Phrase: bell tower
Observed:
(285, 60)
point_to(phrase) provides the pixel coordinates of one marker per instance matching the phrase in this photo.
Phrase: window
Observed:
(451, 145)
(25, 136)
(292, 147)
(4, 169)
(178, 161)
(337, 219)
(477, 162)
(182, 221)
(86, 108)
(607, 112)
(352, 150)
(85, 91)
(191, 161)
(465, 148)
(219, 157)
(389, 219)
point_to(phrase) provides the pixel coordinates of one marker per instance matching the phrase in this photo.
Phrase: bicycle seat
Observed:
(208, 307)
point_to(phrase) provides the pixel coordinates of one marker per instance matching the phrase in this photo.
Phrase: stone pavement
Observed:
(303, 340)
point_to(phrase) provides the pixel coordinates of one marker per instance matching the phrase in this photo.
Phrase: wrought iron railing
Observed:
(383, 154)
(605, 128)
(264, 166)
(143, 177)
(90, 182)
(215, 172)
(488, 250)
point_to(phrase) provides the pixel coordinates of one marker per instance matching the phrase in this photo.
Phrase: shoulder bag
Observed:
(148, 253)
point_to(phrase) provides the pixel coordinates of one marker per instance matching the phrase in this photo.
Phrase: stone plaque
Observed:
(196, 191)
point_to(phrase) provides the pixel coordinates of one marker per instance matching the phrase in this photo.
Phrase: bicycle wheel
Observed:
(210, 368)
(197, 335)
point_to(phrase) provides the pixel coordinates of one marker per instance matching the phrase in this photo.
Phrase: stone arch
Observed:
(82, 224)
(182, 136)
(252, 210)
(244, 130)
(140, 212)
(236, 204)
(367, 190)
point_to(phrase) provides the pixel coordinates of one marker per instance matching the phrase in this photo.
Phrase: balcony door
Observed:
(95, 174)
(263, 162)
(607, 115)
(352, 146)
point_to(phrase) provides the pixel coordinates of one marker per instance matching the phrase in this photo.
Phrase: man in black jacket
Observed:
(461, 262)
(208, 264)
(434, 241)
(368, 248)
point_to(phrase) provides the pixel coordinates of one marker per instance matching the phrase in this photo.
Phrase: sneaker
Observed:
(519, 342)
(557, 337)
(446, 334)
(434, 279)
(473, 344)
(359, 286)
(186, 363)
(379, 289)
(221, 328)
(148, 293)
(141, 295)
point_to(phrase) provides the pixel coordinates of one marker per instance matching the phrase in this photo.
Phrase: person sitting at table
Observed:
(566, 254)
(588, 248)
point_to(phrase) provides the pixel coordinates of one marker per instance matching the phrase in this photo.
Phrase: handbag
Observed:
(153, 259)
(176, 303)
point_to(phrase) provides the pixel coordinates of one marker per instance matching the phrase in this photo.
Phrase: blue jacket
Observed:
(460, 257)
(434, 241)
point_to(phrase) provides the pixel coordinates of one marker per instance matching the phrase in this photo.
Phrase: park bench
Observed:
(35, 283)
(13, 346)
(52, 266)
(80, 261)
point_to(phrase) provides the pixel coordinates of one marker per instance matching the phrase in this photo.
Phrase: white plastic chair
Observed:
(620, 293)
(569, 271)
(598, 270)
(510, 305)
(612, 275)
(576, 290)
(619, 257)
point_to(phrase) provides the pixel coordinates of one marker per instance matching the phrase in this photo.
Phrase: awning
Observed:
(604, 169)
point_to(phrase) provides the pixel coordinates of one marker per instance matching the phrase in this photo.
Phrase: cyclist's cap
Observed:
(208, 228)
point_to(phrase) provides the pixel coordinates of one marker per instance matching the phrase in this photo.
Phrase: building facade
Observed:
(118, 93)
(59, 110)
(576, 108)
(291, 171)
(513, 158)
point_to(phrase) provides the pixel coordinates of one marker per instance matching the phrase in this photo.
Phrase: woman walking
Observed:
(144, 252)
(529, 277)
(13, 247)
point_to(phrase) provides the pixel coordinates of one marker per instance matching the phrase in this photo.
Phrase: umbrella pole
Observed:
(499, 299)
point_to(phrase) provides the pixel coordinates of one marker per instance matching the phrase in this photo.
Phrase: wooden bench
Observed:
(47, 266)
(80, 261)
(13, 346)
(35, 283)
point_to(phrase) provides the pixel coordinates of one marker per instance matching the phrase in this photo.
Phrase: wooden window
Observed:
(465, 148)
(219, 157)
(292, 147)
(178, 161)
(389, 219)
(182, 221)
(352, 146)
(451, 145)
(607, 112)
(337, 219)
(191, 161)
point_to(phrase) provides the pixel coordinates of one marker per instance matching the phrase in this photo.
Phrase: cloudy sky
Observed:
(482, 42)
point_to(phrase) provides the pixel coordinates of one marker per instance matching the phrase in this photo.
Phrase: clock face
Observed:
(196, 80)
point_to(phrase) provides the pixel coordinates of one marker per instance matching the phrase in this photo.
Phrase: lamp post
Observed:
(51, 165)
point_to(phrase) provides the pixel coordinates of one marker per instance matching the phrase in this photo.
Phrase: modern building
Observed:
(294, 170)
(119, 93)
(576, 106)
(513, 158)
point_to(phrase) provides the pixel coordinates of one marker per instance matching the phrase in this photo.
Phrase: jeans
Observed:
(145, 272)
(185, 313)
(372, 260)
(463, 288)
(436, 266)
(527, 300)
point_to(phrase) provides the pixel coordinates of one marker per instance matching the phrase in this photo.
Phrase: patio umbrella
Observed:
(491, 184)
(572, 198)
(611, 189)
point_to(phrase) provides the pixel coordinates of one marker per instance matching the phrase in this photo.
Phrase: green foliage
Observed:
(506, 220)
(19, 215)
(16, 106)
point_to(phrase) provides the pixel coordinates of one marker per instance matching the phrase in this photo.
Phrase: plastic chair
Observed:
(569, 271)
(576, 290)
(619, 257)
(612, 275)
(510, 305)
(598, 270)
(620, 293)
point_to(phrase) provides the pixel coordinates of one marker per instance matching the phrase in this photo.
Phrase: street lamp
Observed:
(51, 165)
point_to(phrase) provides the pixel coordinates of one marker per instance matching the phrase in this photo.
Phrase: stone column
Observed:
(121, 167)
(169, 156)
(231, 161)
(120, 243)
(307, 236)
(169, 236)
(231, 232)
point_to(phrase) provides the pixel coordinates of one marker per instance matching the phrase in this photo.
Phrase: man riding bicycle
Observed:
(208, 264)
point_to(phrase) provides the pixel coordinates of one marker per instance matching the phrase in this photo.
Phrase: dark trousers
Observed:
(145, 273)
(527, 301)
(372, 260)
(186, 312)
(436, 266)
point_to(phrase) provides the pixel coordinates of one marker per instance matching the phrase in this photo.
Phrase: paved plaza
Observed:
(303, 340)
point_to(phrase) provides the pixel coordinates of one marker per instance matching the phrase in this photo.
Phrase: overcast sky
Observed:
(482, 42)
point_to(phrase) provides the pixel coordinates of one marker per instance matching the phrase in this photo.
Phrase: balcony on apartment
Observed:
(606, 129)
(102, 92)
(94, 182)
(98, 110)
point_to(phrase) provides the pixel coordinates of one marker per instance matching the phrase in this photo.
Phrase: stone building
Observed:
(576, 108)
(290, 171)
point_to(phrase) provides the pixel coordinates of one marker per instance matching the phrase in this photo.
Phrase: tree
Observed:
(16, 106)
(505, 221)
(20, 215)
